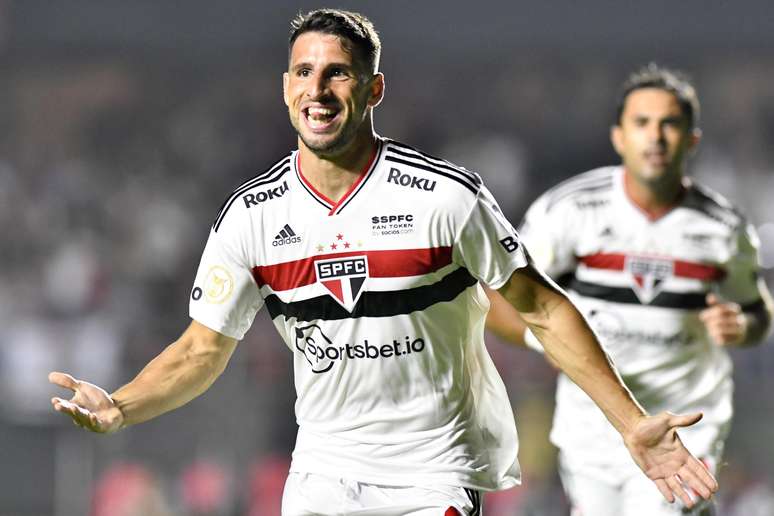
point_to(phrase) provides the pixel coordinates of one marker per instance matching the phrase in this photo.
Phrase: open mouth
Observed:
(320, 118)
(657, 157)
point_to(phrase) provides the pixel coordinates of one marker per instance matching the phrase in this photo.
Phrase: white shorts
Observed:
(631, 494)
(308, 494)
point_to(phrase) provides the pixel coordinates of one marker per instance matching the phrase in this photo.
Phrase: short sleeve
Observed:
(544, 232)
(487, 244)
(740, 284)
(225, 297)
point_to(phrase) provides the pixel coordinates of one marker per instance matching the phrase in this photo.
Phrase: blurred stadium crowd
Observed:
(111, 170)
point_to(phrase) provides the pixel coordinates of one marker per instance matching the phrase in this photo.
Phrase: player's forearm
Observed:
(570, 343)
(572, 346)
(183, 371)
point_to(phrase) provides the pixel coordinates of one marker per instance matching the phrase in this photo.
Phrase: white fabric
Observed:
(642, 283)
(623, 491)
(394, 383)
(318, 495)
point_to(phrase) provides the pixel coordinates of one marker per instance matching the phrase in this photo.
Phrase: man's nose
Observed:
(318, 86)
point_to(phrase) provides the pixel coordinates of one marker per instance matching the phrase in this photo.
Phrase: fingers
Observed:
(695, 483)
(63, 380)
(712, 299)
(80, 416)
(683, 420)
(666, 492)
(676, 486)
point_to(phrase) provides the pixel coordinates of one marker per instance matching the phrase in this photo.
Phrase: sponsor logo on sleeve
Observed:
(218, 285)
(509, 243)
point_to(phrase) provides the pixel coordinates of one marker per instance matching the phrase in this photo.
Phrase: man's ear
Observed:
(695, 139)
(285, 79)
(616, 138)
(377, 90)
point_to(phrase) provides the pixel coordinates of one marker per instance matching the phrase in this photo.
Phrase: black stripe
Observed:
(438, 162)
(242, 190)
(289, 230)
(755, 306)
(475, 500)
(582, 180)
(558, 196)
(247, 185)
(472, 188)
(626, 295)
(375, 304)
(713, 205)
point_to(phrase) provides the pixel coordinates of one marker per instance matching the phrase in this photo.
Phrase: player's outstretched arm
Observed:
(570, 343)
(184, 370)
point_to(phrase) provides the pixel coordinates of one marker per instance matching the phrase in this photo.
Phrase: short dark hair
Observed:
(356, 31)
(673, 81)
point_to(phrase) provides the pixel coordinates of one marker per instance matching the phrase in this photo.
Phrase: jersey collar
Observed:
(335, 208)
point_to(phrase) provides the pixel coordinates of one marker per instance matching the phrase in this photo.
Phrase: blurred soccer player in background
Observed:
(667, 273)
(368, 255)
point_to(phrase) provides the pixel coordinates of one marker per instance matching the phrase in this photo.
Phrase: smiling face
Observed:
(653, 137)
(329, 93)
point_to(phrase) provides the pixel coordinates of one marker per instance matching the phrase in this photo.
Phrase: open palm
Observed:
(90, 407)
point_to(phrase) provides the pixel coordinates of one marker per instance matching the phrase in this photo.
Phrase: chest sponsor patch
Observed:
(344, 278)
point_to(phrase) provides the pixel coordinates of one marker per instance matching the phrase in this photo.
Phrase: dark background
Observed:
(123, 126)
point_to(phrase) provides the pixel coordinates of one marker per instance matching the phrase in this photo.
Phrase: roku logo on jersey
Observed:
(344, 278)
(321, 353)
(420, 183)
(255, 199)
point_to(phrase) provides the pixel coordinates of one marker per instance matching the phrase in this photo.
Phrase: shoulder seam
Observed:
(403, 154)
(278, 169)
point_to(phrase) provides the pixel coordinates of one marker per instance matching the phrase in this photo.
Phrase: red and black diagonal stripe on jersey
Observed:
(381, 264)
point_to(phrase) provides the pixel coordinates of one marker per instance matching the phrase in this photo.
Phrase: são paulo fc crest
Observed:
(648, 275)
(344, 278)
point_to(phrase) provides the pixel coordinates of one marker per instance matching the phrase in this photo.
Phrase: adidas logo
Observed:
(286, 236)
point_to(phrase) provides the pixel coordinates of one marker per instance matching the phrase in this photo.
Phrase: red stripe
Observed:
(682, 269)
(395, 263)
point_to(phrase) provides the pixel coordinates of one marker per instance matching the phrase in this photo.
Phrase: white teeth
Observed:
(319, 111)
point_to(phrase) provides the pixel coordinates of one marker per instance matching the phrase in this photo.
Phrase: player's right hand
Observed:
(90, 407)
(659, 452)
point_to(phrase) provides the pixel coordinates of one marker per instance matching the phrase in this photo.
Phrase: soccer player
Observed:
(666, 272)
(368, 255)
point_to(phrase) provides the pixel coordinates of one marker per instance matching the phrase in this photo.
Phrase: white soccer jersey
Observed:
(377, 296)
(641, 283)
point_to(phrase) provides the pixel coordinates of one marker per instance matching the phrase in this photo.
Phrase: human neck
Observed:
(333, 176)
(654, 199)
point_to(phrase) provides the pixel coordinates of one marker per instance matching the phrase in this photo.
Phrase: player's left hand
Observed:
(658, 451)
(725, 322)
